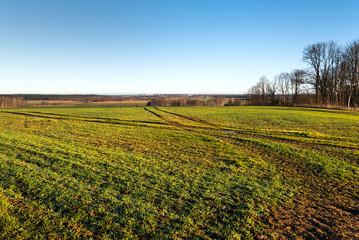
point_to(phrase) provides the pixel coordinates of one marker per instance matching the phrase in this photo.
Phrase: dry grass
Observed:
(68, 102)
(328, 106)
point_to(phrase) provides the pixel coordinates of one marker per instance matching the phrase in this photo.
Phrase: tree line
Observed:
(181, 102)
(12, 102)
(332, 78)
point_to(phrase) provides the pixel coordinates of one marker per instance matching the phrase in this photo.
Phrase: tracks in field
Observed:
(323, 209)
(114, 121)
(317, 146)
(165, 122)
(207, 126)
(188, 118)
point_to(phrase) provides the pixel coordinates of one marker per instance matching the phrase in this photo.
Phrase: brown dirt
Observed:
(323, 209)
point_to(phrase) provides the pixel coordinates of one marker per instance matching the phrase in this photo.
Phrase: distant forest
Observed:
(23, 100)
(331, 79)
(68, 97)
(198, 101)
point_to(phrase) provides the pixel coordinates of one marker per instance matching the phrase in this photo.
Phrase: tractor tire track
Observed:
(324, 209)
(258, 135)
(94, 120)
(189, 118)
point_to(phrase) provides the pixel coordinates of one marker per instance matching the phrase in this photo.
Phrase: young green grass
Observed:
(127, 172)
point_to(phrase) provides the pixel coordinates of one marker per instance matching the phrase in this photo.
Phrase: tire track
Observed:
(93, 120)
(223, 129)
(176, 124)
(189, 118)
(325, 209)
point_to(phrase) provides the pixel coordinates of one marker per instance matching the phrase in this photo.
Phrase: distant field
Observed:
(68, 102)
(110, 172)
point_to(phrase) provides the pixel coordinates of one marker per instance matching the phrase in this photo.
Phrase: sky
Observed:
(161, 46)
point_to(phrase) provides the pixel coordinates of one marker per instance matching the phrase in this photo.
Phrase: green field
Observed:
(111, 172)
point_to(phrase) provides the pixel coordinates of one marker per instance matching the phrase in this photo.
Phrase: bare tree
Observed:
(313, 55)
(351, 56)
(262, 85)
(297, 79)
(322, 58)
(272, 87)
(333, 75)
(283, 81)
(259, 92)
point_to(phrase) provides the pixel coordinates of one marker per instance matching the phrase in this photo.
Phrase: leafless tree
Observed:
(351, 56)
(313, 55)
(283, 81)
(322, 58)
(297, 79)
(333, 75)
(272, 88)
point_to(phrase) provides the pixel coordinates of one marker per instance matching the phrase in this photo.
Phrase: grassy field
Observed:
(107, 172)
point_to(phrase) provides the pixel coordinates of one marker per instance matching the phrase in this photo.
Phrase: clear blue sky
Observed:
(161, 46)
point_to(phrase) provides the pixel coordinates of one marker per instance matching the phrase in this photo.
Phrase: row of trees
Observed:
(179, 102)
(11, 102)
(284, 89)
(332, 78)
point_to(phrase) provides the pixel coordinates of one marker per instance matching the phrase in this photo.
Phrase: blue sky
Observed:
(160, 46)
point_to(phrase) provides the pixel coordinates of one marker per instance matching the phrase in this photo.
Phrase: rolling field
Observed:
(107, 172)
